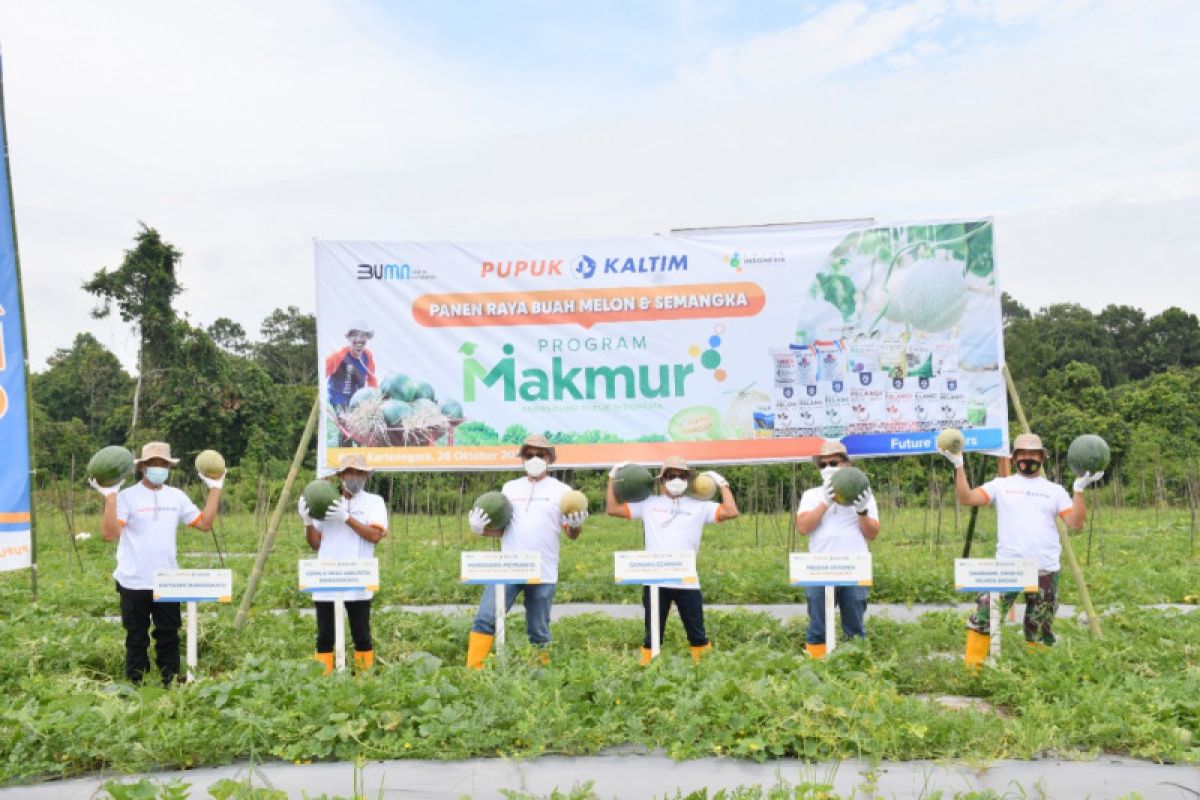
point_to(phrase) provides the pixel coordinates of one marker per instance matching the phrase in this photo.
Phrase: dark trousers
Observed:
(690, 603)
(359, 613)
(138, 609)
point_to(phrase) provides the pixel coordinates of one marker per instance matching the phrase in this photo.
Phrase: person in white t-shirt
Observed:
(834, 528)
(352, 527)
(674, 522)
(536, 525)
(144, 519)
(1027, 505)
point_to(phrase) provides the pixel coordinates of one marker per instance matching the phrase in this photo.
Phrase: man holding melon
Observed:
(144, 520)
(839, 516)
(1027, 505)
(672, 521)
(535, 520)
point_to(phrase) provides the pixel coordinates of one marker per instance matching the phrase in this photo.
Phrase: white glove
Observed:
(862, 501)
(1087, 479)
(575, 520)
(478, 519)
(305, 517)
(338, 512)
(717, 479)
(954, 458)
(612, 473)
(212, 483)
(827, 493)
(104, 490)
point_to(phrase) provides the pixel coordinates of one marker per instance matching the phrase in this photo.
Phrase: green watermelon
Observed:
(1088, 453)
(319, 495)
(452, 409)
(363, 395)
(848, 483)
(497, 507)
(110, 465)
(425, 392)
(633, 484)
(210, 464)
(393, 386)
(951, 440)
(394, 410)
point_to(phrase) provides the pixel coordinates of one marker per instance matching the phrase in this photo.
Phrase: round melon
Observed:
(452, 409)
(702, 488)
(210, 464)
(931, 295)
(848, 484)
(633, 484)
(696, 423)
(497, 507)
(951, 440)
(319, 495)
(394, 410)
(572, 502)
(110, 465)
(393, 386)
(425, 392)
(363, 395)
(1088, 453)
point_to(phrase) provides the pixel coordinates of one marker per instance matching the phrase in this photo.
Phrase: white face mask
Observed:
(535, 467)
(828, 472)
(157, 475)
(353, 485)
(676, 486)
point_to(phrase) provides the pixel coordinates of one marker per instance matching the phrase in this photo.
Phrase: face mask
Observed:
(1028, 467)
(535, 466)
(353, 485)
(827, 473)
(676, 486)
(156, 475)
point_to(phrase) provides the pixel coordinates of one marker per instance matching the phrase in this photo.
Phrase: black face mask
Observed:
(1028, 466)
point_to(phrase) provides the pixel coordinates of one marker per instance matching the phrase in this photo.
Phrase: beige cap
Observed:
(156, 450)
(353, 461)
(1029, 441)
(539, 441)
(831, 447)
(675, 462)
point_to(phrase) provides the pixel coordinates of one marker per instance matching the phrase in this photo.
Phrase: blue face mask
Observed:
(156, 475)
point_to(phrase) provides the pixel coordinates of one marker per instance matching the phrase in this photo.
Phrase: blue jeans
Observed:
(850, 600)
(538, 599)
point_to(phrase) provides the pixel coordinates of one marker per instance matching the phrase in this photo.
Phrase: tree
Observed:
(229, 336)
(288, 350)
(1171, 339)
(1011, 309)
(85, 381)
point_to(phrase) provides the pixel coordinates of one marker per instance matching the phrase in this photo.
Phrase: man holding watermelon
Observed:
(836, 528)
(1027, 505)
(144, 519)
(352, 367)
(535, 525)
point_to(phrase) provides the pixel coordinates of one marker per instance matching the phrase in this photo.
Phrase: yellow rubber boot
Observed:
(647, 656)
(543, 655)
(326, 660)
(363, 660)
(978, 645)
(1034, 647)
(815, 650)
(698, 652)
(478, 646)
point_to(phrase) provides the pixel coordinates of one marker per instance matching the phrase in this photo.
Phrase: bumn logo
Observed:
(383, 272)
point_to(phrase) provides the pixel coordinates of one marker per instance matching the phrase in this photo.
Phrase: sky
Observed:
(243, 131)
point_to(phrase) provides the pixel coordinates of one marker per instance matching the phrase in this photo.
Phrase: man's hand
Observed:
(104, 490)
(305, 517)
(575, 520)
(717, 478)
(954, 458)
(212, 483)
(338, 512)
(479, 520)
(612, 473)
(863, 501)
(1087, 479)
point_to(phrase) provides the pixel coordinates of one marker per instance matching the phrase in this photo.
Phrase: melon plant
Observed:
(633, 484)
(930, 295)
(951, 440)
(1087, 453)
(572, 502)
(497, 507)
(319, 495)
(848, 483)
(110, 465)
(702, 487)
(210, 464)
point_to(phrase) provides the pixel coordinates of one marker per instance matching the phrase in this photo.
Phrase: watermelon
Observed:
(319, 495)
(633, 484)
(210, 464)
(452, 409)
(425, 392)
(1088, 453)
(363, 395)
(393, 386)
(951, 440)
(848, 484)
(573, 501)
(394, 410)
(110, 465)
(497, 507)
(702, 488)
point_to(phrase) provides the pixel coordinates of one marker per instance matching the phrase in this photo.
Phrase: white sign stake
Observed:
(193, 635)
(655, 633)
(339, 635)
(995, 624)
(830, 622)
(193, 586)
(501, 599)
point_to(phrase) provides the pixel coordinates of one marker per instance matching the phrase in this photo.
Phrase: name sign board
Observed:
(640, 566)
(317, 575)
(995, 575)
(829, 569)
(492, 567)
(193, 585)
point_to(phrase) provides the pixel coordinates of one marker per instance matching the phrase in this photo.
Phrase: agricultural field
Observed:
(1135, 692)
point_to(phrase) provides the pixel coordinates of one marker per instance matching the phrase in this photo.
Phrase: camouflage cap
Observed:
(831, 447)
(540, 442)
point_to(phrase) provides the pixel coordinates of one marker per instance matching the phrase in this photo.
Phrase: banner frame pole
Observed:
(501, 600)
(830, 619)
(655, 632)
(193, 633)
(339, 634)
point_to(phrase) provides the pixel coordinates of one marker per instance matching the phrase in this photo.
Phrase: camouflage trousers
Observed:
(1040, 608)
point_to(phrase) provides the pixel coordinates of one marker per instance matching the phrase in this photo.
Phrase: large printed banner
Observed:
(722, 346)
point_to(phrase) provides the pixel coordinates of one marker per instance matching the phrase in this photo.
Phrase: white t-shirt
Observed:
(838, 530)
(339, 542)
(149, 520)
(673, 524)
(1025, 512)
(536, 522)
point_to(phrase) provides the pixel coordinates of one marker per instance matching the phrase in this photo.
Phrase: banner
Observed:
(16, 551)
(722, 346)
